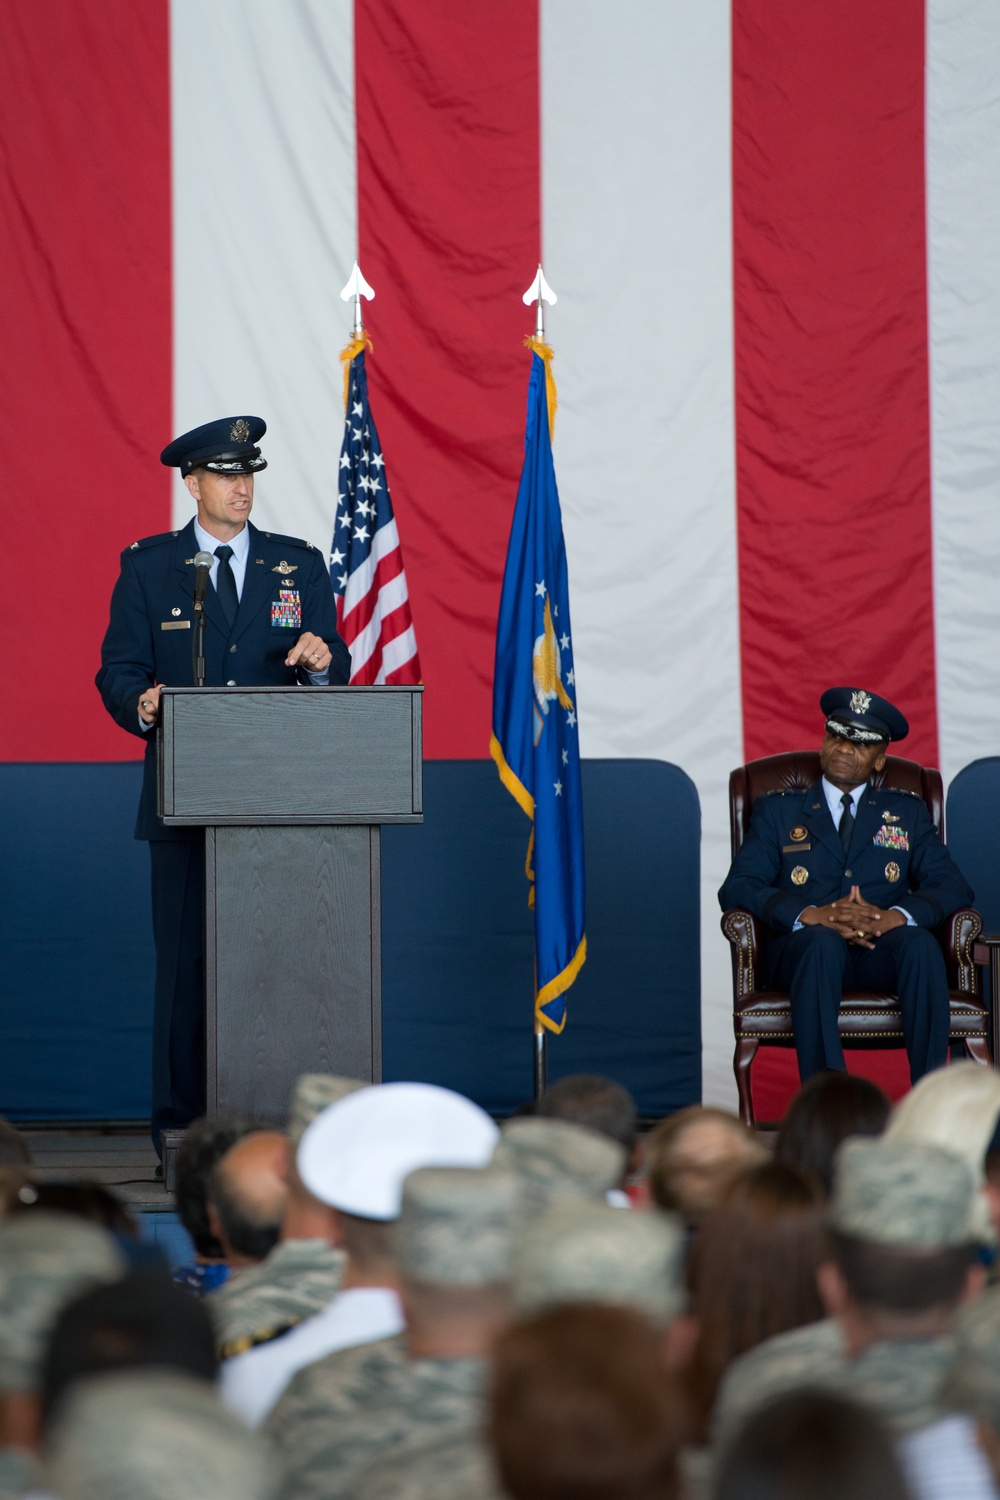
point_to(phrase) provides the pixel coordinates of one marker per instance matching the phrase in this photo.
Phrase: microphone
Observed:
(203, 563)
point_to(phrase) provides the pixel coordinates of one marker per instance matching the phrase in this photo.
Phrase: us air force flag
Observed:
(535, 736)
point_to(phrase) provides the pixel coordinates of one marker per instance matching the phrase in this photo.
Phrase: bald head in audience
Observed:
(247, 1195)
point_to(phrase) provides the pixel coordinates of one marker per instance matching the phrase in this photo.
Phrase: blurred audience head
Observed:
(583, 1406)
(973, 1383)
(557, 1161)
(356, 1154)
(306, 1217)
(752, 1270)
(153, 1434)
(247, 1192)
(84, 1200)
(453, 1242)
(141, 1320)
(824, 1112)
(810, 1445)
(46, 1259)
(692, 1157)
(591, 1253)
(596, 1102)
(204, 1145)
(903, 1228)
(957, 1108)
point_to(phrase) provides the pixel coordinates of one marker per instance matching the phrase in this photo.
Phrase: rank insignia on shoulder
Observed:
(133, 546)
(798, 833)
(284, 568)
(800, 875)
(892, 871)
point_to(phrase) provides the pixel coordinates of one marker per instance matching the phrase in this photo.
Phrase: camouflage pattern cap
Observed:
(46, 1259)
(313, 1092)
(902, 1193)
(973, 1383)
(557, 1161)
(157, 1434)
(591, 1252)
(457, 1225)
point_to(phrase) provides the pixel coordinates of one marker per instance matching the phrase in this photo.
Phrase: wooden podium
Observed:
(291, 786)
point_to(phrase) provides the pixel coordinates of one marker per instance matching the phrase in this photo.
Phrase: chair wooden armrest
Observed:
(743, 931)
(958, 936)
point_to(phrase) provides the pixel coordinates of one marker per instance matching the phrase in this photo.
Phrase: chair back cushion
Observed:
(799, 769)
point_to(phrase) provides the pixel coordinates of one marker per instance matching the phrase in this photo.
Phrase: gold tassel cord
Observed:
(546, 352)
(351, 348)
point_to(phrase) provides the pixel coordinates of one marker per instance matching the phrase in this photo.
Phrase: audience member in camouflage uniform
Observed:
(454, 1240)
(154, 1435)
(581, 1251)
(303, 1271)
(46, 1260)
(556, 1160)
(354, 1158)
(902, 1222)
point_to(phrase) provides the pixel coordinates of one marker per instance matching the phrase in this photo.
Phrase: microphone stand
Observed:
(203, 565)
(199, 643)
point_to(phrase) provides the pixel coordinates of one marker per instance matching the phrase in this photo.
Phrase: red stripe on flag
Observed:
(832, 409)
(386, 569)
(85, 375)
(448, 210)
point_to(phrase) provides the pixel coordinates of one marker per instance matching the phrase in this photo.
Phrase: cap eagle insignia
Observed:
(240, 431)
(546, 672)
(860, 702)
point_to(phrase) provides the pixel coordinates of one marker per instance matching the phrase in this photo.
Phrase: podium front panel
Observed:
(293, 977)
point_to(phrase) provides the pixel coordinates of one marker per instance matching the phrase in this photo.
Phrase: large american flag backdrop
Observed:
(773, 228)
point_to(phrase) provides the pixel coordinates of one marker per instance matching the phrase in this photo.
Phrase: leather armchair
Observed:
(868, 1018)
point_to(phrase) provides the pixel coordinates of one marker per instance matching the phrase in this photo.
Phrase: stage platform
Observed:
(119, 1156)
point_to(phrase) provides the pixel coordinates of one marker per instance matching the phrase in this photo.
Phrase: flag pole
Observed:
(540, 1059)
(539, 292)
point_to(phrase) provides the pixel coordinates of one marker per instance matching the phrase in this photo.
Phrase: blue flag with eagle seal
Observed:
(535, 732)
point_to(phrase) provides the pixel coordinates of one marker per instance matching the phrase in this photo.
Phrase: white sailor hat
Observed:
(356, 1153)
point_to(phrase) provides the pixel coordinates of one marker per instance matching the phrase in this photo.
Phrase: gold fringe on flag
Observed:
(351, 348)
(546, 352)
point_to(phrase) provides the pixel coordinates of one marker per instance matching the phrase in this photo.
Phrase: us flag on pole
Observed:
(366, 562)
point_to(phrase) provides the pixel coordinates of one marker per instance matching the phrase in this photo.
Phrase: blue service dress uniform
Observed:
(792, 857)
(286, 590)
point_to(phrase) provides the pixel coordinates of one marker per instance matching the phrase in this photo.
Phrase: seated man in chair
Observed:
(850, 882)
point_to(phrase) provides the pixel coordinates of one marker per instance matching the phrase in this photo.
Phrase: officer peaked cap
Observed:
(865, 718)
(226, 447)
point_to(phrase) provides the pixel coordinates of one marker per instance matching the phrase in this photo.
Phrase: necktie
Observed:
(846, 817)
(225, 585)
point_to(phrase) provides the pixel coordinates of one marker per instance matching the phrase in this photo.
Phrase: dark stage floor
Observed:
(118, 1156)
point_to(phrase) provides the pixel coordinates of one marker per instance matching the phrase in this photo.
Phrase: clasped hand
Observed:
(854, 919)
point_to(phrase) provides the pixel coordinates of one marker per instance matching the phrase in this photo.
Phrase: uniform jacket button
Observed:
(231, 682)
(848, 873)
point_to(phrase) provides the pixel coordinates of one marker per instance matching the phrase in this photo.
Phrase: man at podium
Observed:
(270, 619)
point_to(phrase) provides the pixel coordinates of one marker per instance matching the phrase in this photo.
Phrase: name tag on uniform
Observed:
(286, 610)
(795, 848)
(175, 624)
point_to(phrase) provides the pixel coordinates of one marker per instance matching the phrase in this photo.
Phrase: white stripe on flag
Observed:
(390, 597)
(264, 204)
(637, 233)
(385, 540)
(396, 653)
(963, 232)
